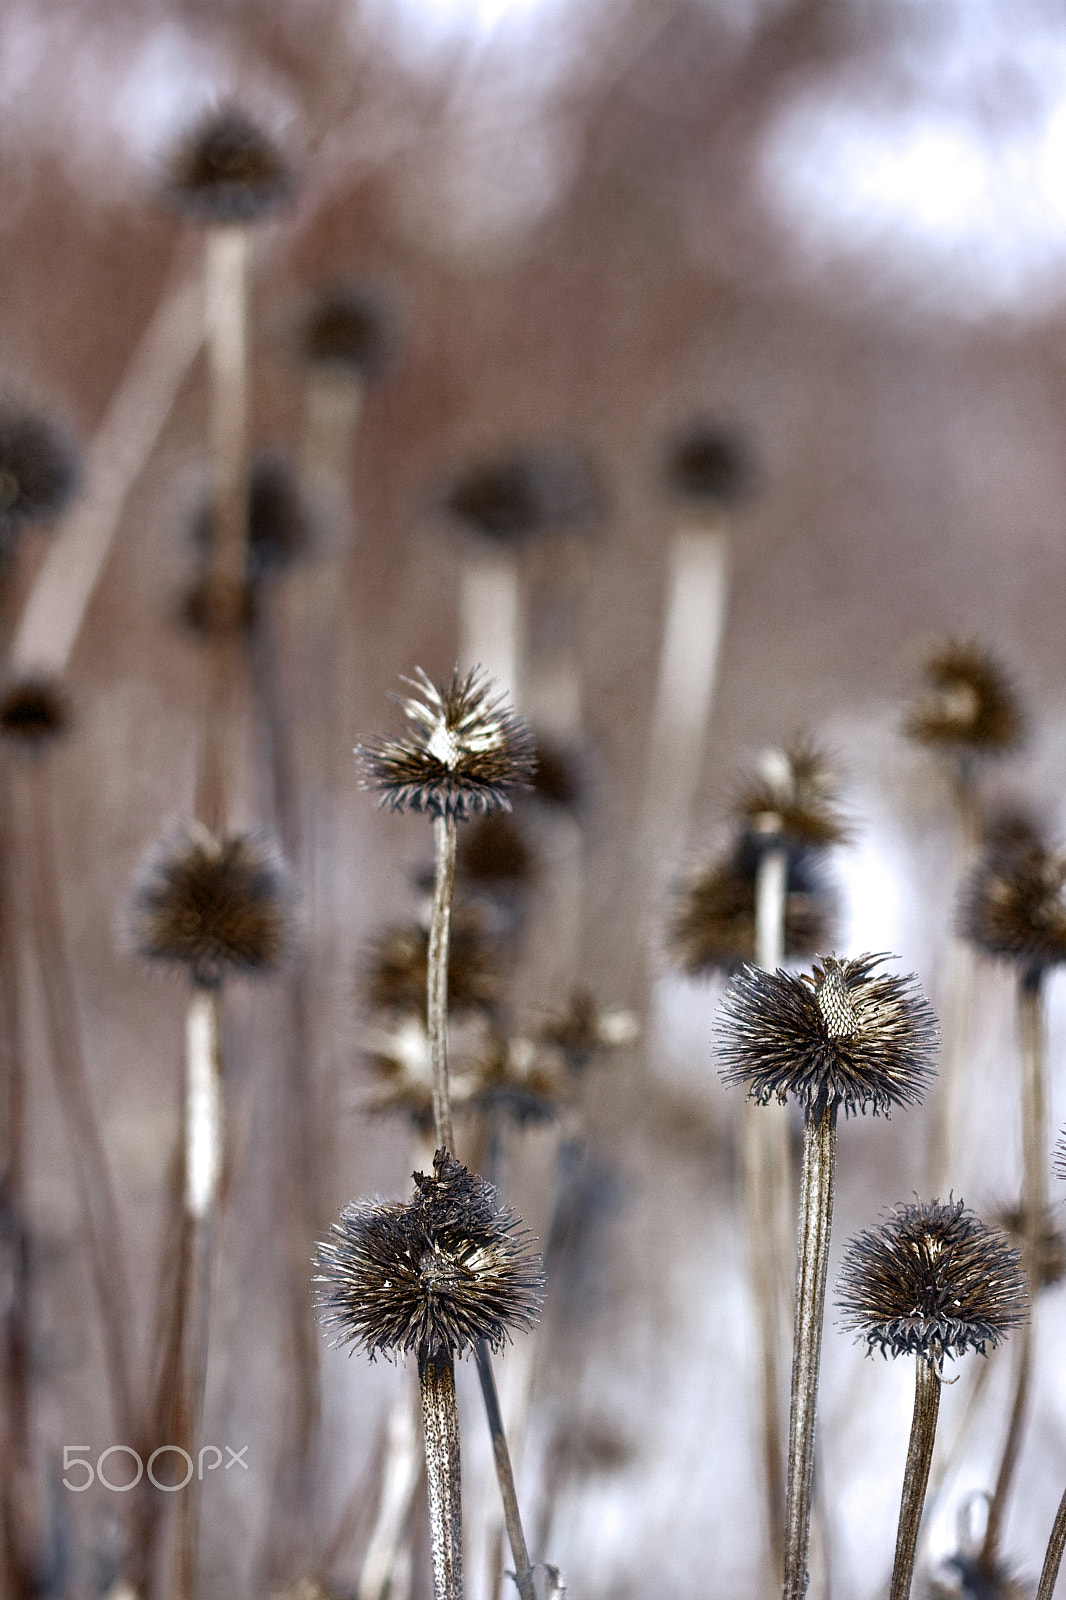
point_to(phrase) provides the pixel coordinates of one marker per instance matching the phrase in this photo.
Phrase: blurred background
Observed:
(837, 232)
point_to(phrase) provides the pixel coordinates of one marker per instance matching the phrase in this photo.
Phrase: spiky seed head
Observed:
(466, 749)
(38, 471)
(518, 497)
(1050, 1263)
(586, 1030)
(394, 974)
(34, 711)
(708, 463)
(792, 800)
(933, 1280)
(969, 705)
(843, 1035)
(349, 326)
(227, 168)
(1014, 906)
(712, 921)
(433, 1275)
(218, 907)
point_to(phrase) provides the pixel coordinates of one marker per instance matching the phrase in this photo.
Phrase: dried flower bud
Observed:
(394, 974)
(708, 463)
(933, 1280)
(34, 710)
(521, 496)
(1014, 906)
(839, 1037)
(227, 168)
(793, 800)
(432, 1276)
(467, 750)
(38, 471)
(217, 907)
(349, 327)
(969, 705)
(712, 923)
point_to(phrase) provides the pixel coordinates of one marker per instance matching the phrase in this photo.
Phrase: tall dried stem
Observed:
(444, 838)
(504, 1475)
(440, 1427)
(1053, 1557)
(916, 1474)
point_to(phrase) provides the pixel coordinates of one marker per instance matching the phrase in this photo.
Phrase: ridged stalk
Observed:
(916, 1474)
(444, 838)
(1053, 1558)
(440, 1427)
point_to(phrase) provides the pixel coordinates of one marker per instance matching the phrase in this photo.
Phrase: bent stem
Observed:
(440, 1426)
(916, 1474)
(444, 839)
(1053, 1559)
(816, 1217)
(523, 1573)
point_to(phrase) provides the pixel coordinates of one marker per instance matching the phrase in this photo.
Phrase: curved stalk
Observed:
(523, 1573)
(916, 1474)
(444, 839)
(440, 1425)
(816, 1217)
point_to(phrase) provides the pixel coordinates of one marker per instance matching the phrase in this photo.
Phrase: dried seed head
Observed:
(38, 471)
(394, 974)
(494, 851)
(518, 497)
(709, 463)
(585, 1030)
(1014, 906)
(841, 1036)
(561, 778)
(433, 1276)
(712, 923)
(933, 1280)
(399, 1057)
(34, 710)
(227, 168)
(969, 706)
(1050, 1264)
(793, 800)
(466, 751)
(218, 907)
(967, 1577)
(520, 1081)
(349, 327)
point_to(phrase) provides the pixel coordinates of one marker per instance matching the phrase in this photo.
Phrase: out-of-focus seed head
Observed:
(394, 975)
(39, 471)
(1014, 906)
(932, 1281)
(1050, 1264)
(431, 1276)
(842, 1036)
(496, 851)
(349, 327)
(520, 1081)
(792, 800)
(280, 528)
(969, 706)
(227, 168)
(561, 778)
(466, 750)
(965, 1577)
(585, 1030)
(34, 711)
(217, 907)
(712, 921)
(708, 463)
(518, 497)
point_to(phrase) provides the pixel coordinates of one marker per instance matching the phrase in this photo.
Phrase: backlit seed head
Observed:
(712, 922)
(431, 1276)
(227, 168)
(842, 1036)
(515, 498)
(933, 1280)
(218, 907)
(466, 750)
(793, 800)
(1014, 906)
(38, 471)
(349, 327)
(709, 464)
(969, 705)
(34, 711)
(394, 975)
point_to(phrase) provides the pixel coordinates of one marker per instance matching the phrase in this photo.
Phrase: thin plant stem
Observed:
(816, 1216)
(502, 1457)
(916, 1474)
(226, 318)
(1012, 1445)
(1053, 1559)
(444, 838)
(440, 1426)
